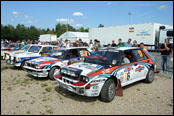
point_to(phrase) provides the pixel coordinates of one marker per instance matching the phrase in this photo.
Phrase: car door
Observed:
(126, 72)
(140, 68)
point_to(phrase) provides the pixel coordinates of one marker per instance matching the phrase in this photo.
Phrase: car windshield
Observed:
(26, 47)
(104, 57)
(35, 49)
(57, 54)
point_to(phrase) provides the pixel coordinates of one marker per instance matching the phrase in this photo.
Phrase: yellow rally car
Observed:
(8, 53)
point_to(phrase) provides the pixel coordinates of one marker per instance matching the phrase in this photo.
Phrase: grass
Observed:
(49, 111)
(43, 92)
(44, 99)
(9, 88)
(28, 112)
(27, 93)
(48, 89)
(44, 85)
(32, 102)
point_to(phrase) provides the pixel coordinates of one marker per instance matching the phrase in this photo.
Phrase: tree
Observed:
(101, 25)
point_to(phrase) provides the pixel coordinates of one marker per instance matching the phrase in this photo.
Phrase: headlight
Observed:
(68, 72)
(63, 71)
(73, 74)
(37, 66)
(85, 79)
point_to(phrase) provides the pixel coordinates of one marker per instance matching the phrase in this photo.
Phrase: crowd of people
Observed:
(165, 49)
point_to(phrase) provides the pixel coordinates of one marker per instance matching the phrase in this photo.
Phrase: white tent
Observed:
(73, 36)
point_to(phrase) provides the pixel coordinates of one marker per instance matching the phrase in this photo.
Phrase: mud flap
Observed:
(119, 90)
(157, 71)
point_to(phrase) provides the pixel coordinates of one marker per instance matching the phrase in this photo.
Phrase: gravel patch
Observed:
(22, 94)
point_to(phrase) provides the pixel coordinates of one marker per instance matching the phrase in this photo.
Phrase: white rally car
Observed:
(104, 73)
(50, 65)
(35, 51)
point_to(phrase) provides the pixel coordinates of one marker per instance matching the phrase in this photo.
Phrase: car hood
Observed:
(14, 52)
(84, 68)
(44, 60)
(26, 54)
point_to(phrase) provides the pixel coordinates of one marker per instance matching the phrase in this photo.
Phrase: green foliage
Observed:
(21, 32)
(101, 25)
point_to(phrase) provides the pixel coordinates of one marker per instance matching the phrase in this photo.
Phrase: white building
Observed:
(73, 36)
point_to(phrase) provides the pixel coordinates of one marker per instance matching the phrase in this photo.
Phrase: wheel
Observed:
(150, 76)
(108, 91)
(22, 65)
(53, 71)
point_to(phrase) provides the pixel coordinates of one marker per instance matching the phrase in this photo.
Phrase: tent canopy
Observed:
(73, 36)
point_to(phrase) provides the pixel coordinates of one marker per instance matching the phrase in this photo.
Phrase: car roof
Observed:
(69, 48)
(118, 48)
(127, 48)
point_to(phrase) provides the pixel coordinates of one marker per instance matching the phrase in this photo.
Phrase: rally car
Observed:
(50, 65)
(104, 74)
(10, 47)
(15, 51)
(35, 51)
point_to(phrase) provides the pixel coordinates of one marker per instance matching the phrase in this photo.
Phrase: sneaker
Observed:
(161, 71)
(167, 72)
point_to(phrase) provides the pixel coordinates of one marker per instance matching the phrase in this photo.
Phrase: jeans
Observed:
(165, 59)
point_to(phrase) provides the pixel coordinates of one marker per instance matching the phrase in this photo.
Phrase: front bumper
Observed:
(36, 72)
(80, 90)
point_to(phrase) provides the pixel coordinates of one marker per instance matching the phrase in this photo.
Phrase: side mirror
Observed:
(114, 62)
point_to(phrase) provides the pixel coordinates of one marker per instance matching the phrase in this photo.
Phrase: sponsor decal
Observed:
(128, 69)
(131, 29)
(98, 81)
(143, 33)
(139, 69)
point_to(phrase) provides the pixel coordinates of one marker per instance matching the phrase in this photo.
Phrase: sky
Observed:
(89, 14)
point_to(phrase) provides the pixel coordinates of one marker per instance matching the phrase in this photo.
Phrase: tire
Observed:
(52, 71)
(22, 65)
(149, 76)
(108, 91)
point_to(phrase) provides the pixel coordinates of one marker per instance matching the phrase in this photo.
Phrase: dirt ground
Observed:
(22, 94)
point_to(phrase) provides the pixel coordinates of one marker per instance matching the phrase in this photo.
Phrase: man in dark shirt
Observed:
(113, 44)
(165, 50)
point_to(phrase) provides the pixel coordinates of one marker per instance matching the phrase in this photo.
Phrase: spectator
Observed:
(165, 50)
(23, 43)
(61, 43)
(99, 44)
(113, 44)
(2, 41)
(80, 42)
(135, 44)
(109, 46)
(90, 45)
(143, 46)
(120, 44)
(128, 44)
(95, 47)
(66, 44)
(85, 44)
